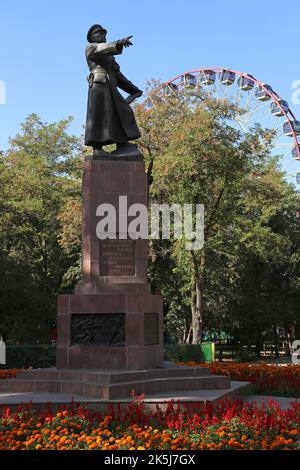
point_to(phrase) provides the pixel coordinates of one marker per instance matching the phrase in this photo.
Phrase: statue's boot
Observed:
(98, 151)
(125, 149)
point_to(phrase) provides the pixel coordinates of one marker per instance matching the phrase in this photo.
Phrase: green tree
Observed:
(196, 155)
(39, 174)
(267, 273)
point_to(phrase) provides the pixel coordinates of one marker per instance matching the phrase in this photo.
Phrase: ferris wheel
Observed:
(260, 104)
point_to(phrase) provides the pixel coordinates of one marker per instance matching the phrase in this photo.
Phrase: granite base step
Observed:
(114, 384)
(40, 401)
(112, 376)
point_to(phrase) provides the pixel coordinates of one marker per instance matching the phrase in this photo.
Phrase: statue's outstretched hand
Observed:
(125, 41)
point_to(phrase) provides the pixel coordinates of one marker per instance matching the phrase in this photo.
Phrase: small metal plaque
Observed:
(151, 329)
(117, 257)
(98, 329)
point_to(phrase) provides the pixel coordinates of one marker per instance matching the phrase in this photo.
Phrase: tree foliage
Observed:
(249, 266)
(40, 177)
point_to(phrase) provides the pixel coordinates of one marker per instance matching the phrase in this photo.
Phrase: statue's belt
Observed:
(100, 76)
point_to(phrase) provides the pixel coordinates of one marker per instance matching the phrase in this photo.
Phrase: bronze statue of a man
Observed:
(110, 119)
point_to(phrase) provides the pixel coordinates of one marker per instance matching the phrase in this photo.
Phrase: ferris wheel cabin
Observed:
(227, 77)
(279, 110)
(262, 94)
(189, 80)
(245, 83)
(208, 77)
(296, 152)
(171, 89)
(291, 127)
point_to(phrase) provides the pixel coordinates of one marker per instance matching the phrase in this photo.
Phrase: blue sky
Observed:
(42, 47)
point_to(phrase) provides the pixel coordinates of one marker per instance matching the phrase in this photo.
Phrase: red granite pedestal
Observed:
(112, 321)
(110, 331)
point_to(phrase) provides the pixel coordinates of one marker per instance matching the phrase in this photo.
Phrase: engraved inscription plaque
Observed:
(117, 257)
(151, 329)
(98, 329)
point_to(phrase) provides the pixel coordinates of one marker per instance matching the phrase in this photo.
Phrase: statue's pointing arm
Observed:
(96, 50)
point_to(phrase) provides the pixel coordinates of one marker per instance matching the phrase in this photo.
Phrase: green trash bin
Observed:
(208, 351)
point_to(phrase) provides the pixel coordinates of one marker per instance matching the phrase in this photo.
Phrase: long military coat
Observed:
(109, 118)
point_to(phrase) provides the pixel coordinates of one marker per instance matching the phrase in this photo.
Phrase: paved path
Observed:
(284, 402)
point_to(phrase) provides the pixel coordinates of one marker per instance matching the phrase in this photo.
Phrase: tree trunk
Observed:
(288, 339)
(297, 329)
(197, 309)
(276, 348)
(188, 337)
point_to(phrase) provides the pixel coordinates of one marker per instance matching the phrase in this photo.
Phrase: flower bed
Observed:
(226, 425)
(7, 373)
(267, 379)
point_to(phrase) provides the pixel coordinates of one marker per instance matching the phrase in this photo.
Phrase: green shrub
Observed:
(183, 352)
(245, 354)
(36, 356)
